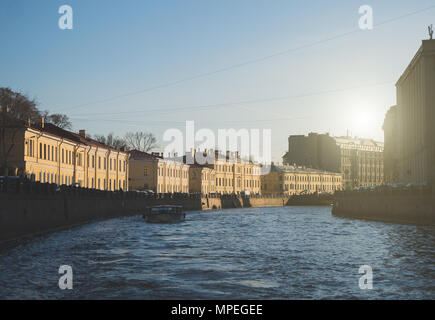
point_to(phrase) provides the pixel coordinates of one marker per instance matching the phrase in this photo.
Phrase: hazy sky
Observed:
(151, 65)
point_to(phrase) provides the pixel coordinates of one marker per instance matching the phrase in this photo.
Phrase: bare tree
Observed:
(60, 120)
(142, 141)
(15, 109)
(110, 140)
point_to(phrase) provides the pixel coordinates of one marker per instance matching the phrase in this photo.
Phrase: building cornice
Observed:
(427, 48)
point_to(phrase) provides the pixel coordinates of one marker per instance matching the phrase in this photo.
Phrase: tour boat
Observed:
(164, 214)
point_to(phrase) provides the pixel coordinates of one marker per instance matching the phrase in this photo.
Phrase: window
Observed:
(145, 172)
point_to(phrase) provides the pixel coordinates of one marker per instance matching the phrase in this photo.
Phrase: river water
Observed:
(258, 253)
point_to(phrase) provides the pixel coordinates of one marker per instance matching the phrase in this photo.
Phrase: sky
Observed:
(290, 66)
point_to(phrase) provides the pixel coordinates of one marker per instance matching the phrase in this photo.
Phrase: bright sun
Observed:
(363, 122)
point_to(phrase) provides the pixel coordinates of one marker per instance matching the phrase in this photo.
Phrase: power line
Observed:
(227, 104)
(202, 75)
(166, 122)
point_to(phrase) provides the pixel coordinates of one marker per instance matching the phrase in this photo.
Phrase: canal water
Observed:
(258, 253)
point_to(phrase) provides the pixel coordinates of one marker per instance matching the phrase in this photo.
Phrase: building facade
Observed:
(391, 169)
(415, 128)
(202, 179)
(359, 160)
(153, 172)
(318, 151)
(293, 180)
(361, 163)
(233, 175)
(46, 153)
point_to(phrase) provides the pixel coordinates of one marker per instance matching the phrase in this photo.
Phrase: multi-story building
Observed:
(414, 129)
(233, 174)
(391, 173)
(153, 172)
(359, 160)
(202, 179)
(46, 153)
(362, 162)
(291, 180)
(318, 151)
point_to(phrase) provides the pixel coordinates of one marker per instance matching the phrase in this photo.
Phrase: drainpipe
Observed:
(107, 168)
(127, 172)
(117, 169)
(96, 168)
(88, 157)
(76, 147)
(59, 160)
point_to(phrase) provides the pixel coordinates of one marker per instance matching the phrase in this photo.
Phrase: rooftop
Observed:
(358, 141)
(54, 130)
(298, 169)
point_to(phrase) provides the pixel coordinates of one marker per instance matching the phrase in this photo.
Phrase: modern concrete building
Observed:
(359, 160)
(153, 172)
(291, 180)
(46, 153)
(415, 127)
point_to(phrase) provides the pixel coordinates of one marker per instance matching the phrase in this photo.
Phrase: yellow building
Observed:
(290, 180)
(202, 179)
(234, 175)
(153, 172)
(46, 153)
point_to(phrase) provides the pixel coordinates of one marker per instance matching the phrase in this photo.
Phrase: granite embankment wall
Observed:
(35, 208)
(402, 206)
(31, 214)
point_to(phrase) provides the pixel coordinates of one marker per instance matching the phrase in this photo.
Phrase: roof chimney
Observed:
(42, 122)
(82, 133)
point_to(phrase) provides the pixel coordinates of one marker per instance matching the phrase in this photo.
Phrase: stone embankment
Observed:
(412, 205)
(29, 208)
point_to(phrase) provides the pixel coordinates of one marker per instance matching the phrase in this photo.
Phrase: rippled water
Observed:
(259, 253)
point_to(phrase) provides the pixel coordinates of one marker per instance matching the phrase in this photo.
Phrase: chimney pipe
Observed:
(82, 133)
